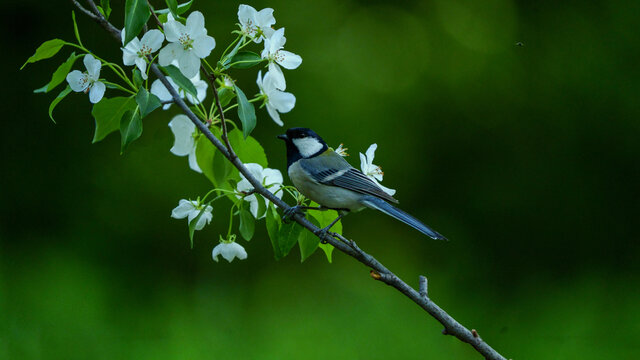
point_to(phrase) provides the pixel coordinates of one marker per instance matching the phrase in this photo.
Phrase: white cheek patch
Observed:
(307, 146)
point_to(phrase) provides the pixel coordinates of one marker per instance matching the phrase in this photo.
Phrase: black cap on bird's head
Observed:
(302, 143)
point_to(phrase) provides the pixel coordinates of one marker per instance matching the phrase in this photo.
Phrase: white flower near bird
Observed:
(274, 53)
(184, 132)
(256, 24)
(276, 100)
(136, 51)
(229, 251)
(158, 89)
(374, 172)
(88, 81)
(341, 150)
(187, 44)
(190, 209)
(270, 178)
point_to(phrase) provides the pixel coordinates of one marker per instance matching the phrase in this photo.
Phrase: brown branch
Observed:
(349, 247)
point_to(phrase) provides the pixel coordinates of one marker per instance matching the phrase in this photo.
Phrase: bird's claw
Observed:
(322, 233)
(290, 212)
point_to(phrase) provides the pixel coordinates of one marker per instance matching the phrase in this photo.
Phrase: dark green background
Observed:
(526, 157)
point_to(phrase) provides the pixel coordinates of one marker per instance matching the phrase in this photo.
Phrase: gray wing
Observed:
(331, 169)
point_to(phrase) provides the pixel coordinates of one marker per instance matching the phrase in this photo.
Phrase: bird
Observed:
(322, 175)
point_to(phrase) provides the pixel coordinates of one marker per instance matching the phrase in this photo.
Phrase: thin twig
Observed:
(379, 271)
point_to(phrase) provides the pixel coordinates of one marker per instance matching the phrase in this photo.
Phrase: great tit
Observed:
(322, 175)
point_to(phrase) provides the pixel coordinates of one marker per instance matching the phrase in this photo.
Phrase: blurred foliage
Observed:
(510, 127)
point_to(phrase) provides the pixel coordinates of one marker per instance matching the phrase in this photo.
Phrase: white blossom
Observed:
(256, 24)
(136, 51)
(190, 209)
(88, 81)
(184, 131)
(270, 178)
(374, 172)
(158, 89)
(341, 150)
(274, 53)
(187, 44)
(276, 101)
(229, 251)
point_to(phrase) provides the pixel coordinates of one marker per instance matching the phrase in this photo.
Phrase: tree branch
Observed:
(347, 246)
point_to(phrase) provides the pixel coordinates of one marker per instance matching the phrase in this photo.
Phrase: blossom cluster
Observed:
(185, 44)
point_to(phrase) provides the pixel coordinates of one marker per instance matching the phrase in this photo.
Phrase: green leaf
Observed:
(183, 8)
(41, 90)
(227, 58)
(181, 80)
(308, 244)
(246, 113)
(136, 15)
(108, 113)
(192, 224)
(248, 150)
(130, 128)
(288, 236)
(204, 156)
(283, 236)
(222, 169)
(46, 50)
(137, 78)
(273, 225)
(247, 224)
(60, 74)
(105, 8)
(173, 6)
(58, 98)
(226, 95)
(245, 60)
(75, 27)
(147, 102)
(322, 219)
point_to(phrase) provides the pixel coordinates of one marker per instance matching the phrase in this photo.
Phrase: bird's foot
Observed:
(322, 233)
(290, 212)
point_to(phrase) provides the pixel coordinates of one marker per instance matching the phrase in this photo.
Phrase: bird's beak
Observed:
(283, 137)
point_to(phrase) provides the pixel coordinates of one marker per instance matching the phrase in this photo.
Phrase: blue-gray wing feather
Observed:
(331, 169)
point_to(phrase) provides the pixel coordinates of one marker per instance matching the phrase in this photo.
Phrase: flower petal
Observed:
(216, 252)
(153, 40)
(193, 160)
(282, 101)
(253, 204)
(184, 208)
(289, 60)
(182, 129)
(173, 30)
(93, 66)
(78, 81)
(264, 18)
(203, 45)
(364, 165)
(246, 13)
(189, 64)
(233, 250)
(170, 53)
(277, 41)
(158, 89)
(195, 25)
(276, 78)
(274, 114)
(97, 92)
(204, 219)
(142, 66)
(386, 189)
(371, 153)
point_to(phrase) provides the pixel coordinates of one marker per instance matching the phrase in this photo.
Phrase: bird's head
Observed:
(302, 143)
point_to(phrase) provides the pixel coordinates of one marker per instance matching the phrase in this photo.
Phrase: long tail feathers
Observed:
(381, 205)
